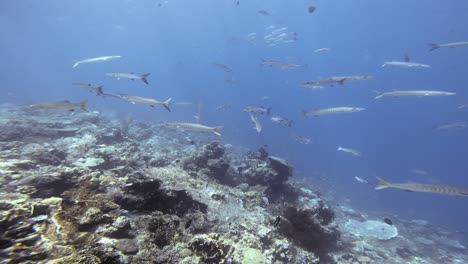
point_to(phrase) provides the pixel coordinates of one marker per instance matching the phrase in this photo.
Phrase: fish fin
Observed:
(407, 58)
(434, 46)
(217, 129)
(143, 77)
(382, 184)
(167, 104)
(99, 90)
(379, 94)
(83, 105)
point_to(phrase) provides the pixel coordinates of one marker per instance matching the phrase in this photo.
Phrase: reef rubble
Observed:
(94, 188)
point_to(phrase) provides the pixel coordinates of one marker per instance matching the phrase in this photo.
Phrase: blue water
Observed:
(179, 41)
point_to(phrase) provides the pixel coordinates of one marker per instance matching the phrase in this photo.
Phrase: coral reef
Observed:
(90, 188)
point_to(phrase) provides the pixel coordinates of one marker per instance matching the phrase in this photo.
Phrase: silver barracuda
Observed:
(130, 75)
(92, 60)
(414, 93)
(405, 64)
(148, 101)
(62, 105)
(332, 110)
(448, 45)
(193, 126)
(421, 187)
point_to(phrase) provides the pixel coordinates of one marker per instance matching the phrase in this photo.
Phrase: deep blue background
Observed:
(179, 42)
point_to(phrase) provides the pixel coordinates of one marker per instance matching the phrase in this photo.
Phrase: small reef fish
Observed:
(90, 88)
(322, 50)
(196, 127)
(148, 101)
(222, 67)
(361, 180)
(279, 64)
(336, 80)
(448, 45)
(332, 110)
(62, 105)
(281, 120)
(454, 125)
(415, 93)
(257, 110)
(405, 64)
(354, 152)
(98, 59)
(421, 187)
(130, 76)
(223, 107)
(419, 171)
(257, 124)
(301, 139)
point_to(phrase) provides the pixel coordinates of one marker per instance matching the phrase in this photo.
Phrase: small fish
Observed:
(279, 64)
(62, 105)
(300, 139)
(453, 125)
(148, 101)
(222, 67)
(277, 221)
(361, 180)
(281, 120)
(354, 152)
(421, 187)
(92, 60)
(332, 110)
(130, 76)
(322, 50)
(223, 107)
(257, 124)
(448, 45)
(419, 171)
(414, 93)
(196, 127)
(88, 87)
(257, 110)
(405, 64)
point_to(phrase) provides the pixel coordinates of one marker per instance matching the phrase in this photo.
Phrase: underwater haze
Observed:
(207, 53)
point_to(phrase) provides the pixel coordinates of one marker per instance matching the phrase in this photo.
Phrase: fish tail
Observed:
(304, 112)
(83, 105)
(379, 94)
(434, 46)
(99, 90)
(143, 77)
(217, 129)
(382, 184)
(167, 104)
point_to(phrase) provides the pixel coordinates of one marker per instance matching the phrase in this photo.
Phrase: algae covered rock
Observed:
(252, 256)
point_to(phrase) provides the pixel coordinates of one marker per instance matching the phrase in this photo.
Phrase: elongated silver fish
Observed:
(448, 45)
(257, 124)
(279, 64)
(322, 50)
(130, 75)
(453, 125)
(196, 127)
(281, 120)
(98, 59)
(148, 101)
(354, 152)
(62, 105)
(89, 87)
(361, 180)
(405, 64)
(414, 93)
(257, 109)
(332, 110)
(336, 80)
(421, 187)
